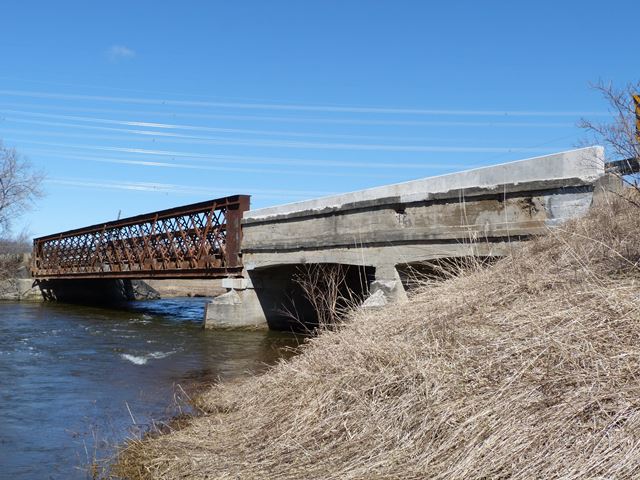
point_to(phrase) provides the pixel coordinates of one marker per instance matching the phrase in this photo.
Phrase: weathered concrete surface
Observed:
(586, 164)
(261, 305)
(482, 212)
(236, 309)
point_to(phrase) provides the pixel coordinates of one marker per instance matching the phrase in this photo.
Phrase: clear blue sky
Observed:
(134, 106)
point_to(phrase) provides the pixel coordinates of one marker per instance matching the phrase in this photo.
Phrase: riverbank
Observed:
(528, 368)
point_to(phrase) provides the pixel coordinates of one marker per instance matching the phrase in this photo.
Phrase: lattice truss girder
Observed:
(187, 241)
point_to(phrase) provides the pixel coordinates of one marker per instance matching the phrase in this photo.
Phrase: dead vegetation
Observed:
(326, 296)
(526, 369)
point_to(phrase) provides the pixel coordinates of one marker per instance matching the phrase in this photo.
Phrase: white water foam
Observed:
(134, 359)
(143, 359)
(159, 354)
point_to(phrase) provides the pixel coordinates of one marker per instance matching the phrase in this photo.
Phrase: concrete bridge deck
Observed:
(387, 230)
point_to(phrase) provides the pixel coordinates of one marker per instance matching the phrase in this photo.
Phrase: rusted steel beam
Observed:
(202, 273)
(201, 240)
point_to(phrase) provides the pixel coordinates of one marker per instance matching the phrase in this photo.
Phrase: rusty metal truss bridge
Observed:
(201, 240)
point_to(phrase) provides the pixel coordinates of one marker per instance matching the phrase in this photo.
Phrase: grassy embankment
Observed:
(526, 369)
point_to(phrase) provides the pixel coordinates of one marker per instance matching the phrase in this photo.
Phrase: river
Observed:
(76, 381)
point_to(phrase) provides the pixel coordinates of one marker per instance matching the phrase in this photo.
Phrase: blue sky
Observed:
(136, 106)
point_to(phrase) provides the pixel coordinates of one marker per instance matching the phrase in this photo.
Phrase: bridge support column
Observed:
(386, 288)
(263, 298)
(238, 308)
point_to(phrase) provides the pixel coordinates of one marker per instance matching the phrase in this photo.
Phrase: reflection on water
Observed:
(73, 380)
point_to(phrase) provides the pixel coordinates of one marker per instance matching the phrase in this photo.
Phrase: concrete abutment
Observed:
(273, 297)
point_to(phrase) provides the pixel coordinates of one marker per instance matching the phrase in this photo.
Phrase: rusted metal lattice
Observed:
(201, 240)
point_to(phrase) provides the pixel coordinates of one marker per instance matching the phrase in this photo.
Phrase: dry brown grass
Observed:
(527, 369)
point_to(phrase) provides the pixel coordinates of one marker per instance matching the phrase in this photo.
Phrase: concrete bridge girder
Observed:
(270, 296)
(483, 212)
(253, 300)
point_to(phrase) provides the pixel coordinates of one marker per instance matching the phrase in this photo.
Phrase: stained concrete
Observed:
(236, 309)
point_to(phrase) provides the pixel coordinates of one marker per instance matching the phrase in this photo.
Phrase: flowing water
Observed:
(77, 381)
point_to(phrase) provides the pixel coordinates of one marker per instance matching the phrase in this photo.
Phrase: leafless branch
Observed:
(618, 136)
(19, 187)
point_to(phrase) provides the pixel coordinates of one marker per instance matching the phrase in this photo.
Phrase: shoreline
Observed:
(536, 351)
(194, 399)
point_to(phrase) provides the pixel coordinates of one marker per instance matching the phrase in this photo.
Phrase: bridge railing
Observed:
(194, 241)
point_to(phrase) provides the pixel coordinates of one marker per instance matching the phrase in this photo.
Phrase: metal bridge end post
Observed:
(233, 241)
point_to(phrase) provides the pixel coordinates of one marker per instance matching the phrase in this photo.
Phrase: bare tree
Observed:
(20, 185)
(618, 136)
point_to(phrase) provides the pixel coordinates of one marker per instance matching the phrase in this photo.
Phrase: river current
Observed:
(76, 381)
